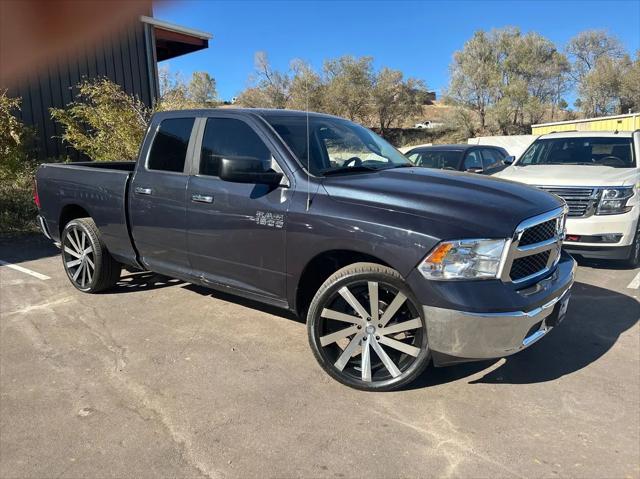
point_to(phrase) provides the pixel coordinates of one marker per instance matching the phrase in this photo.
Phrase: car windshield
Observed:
(335, 146)
(443, 160)
(603, 151)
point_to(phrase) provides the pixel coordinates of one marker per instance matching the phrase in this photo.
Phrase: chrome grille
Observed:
(528, 265)
(535, 247)
(580, 200)
(538, 233)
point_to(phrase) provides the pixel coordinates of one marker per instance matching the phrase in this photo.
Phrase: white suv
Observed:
(598, 175)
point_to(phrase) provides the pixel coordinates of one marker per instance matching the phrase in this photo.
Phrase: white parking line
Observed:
(635, 282)
(35, 274)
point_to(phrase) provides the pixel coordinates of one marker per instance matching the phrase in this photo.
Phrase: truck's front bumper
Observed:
(456, 335)
(464, 335)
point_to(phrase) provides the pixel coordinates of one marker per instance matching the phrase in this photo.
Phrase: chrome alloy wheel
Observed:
(79, 257)
(370, 332)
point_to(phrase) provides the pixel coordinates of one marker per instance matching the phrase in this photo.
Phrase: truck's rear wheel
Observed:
(367, 330)
(88, 264)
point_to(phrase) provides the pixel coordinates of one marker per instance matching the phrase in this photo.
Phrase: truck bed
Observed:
(99, 189)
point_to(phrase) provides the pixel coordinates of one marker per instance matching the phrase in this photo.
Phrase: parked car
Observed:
(472, 158)
(427, 124)
(337, 227)
(598, 175)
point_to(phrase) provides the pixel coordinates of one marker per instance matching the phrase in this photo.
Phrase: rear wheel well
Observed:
(320, 268)
(71, 212)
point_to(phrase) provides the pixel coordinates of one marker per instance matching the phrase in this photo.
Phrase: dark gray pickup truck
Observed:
(392, 265)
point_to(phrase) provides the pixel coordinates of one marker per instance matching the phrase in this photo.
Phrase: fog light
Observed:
(611, 238)
(604, 238)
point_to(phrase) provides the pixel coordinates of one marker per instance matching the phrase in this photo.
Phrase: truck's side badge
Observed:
(272, 220)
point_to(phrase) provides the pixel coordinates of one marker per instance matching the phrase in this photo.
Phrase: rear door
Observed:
(157, 199)
(236, 231)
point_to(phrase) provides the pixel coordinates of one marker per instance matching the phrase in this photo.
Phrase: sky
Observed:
(418, 38)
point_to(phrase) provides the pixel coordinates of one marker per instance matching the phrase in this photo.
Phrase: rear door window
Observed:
(169, 148)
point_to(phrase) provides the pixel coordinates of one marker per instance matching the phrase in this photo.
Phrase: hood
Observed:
(570, 175)
(454, 204)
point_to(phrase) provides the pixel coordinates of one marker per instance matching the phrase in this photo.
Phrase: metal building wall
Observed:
(629, 122)
(126, 57)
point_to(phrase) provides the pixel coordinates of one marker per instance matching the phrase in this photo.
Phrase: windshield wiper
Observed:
(349, 169)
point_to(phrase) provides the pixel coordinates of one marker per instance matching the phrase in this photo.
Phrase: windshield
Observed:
(335, 145)
(443, 160)
(613, 152)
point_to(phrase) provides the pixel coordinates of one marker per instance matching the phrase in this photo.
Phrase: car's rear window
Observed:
(604, 151)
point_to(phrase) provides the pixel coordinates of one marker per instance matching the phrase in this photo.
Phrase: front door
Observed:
(236, 231)
(157, 200)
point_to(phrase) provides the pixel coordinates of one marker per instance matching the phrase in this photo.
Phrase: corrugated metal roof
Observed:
(176, 28)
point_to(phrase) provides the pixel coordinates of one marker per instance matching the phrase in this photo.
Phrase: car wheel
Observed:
(367, 330)
(88, 264)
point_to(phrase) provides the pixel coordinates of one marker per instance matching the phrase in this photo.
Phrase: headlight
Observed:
(464, 259)
(613, 201)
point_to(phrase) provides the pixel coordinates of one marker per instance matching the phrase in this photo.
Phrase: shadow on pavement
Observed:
(26, 248)
(142, 281)
(595, 319)
(240, 301)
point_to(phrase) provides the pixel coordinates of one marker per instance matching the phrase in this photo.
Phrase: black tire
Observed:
(370, 359)
(85, 258)
(634, 255)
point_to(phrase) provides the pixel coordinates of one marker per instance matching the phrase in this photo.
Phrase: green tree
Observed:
(474, 75)
(202, 90)
(394, 99)
(306, 88)
(349, 82)
(176, 94)
(586, 48)
(601, 89)
(103, 122)
(173, 90)
(598, 67)
(270, 88)
(630, 87)
(508, 79)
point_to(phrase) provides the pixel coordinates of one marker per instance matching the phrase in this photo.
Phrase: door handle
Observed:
(142, 191)
(202, 198)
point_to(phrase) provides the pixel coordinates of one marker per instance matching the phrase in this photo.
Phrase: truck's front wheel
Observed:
(88, 264)
(367, 330)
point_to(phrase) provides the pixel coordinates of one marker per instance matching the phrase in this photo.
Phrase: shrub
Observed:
(104, 122)
(17, 165)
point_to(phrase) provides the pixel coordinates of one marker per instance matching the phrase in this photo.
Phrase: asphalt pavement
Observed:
(159, 378)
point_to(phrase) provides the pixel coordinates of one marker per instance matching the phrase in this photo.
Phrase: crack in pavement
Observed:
(136, 397)
(453, 449)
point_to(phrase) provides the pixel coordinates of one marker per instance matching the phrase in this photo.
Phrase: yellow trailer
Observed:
(629, 122)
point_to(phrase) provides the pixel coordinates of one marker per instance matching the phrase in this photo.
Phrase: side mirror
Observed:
(242, 169)
(475, 169)
(509, 160)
